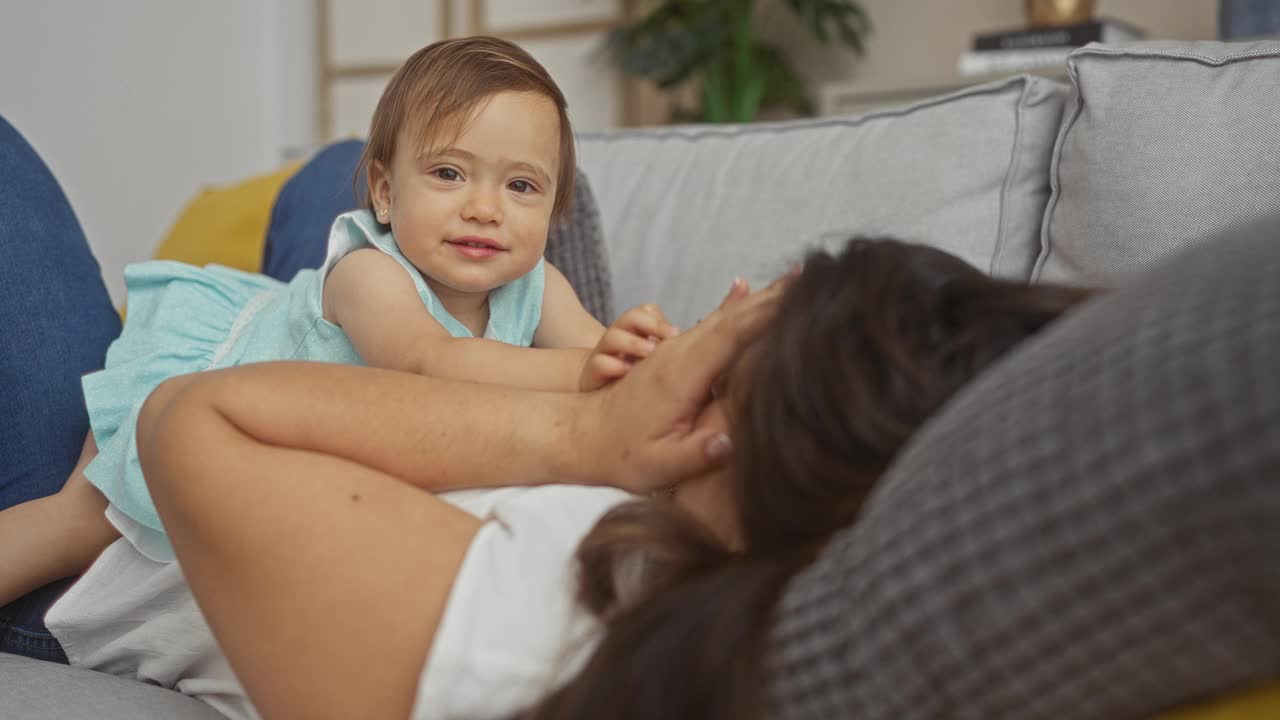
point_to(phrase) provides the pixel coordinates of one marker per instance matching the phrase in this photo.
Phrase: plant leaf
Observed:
(713, 40)
(783, 87)
(845, 17)
(669, 44)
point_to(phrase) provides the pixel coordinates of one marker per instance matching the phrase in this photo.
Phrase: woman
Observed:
(863, 349)
(289, 490)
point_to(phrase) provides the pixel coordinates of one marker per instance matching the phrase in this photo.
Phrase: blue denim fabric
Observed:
(304, 210)
(58, 321)
(1243, 19)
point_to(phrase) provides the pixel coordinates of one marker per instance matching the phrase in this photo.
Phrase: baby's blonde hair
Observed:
(440, 88)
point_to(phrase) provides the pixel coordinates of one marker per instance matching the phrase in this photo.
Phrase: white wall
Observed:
(137, 104)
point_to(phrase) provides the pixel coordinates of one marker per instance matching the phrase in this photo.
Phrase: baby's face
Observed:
(474, 215)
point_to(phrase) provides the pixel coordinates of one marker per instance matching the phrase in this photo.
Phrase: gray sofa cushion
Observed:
(1163, 143)
(1089, 530)
(38, 690)
(687, 208)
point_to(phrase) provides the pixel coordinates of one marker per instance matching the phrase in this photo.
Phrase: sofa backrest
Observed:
(685, 209)
(1164, 145)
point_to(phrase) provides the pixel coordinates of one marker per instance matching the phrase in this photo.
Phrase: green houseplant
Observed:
(714, 42)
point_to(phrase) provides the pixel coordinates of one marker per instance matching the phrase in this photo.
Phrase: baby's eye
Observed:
(521, 186)
(446, 174)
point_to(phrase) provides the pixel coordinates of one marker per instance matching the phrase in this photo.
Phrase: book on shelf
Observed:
(1101, 30)
(1030, 49)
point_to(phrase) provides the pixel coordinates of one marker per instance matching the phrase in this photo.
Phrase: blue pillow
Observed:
(305, 208)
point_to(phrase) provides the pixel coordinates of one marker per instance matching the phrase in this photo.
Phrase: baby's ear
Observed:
(379, 181)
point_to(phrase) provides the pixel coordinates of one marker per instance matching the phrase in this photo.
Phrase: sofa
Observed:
(1150, 154)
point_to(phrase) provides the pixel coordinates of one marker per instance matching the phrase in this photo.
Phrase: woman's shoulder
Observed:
(512, 627)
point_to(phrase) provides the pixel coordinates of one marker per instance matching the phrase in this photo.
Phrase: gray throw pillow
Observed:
(1089, 530)
(576, 247)
(1163, 143)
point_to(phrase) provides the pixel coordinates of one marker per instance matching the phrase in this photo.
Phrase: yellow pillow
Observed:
(226, 225)
(1260, 704)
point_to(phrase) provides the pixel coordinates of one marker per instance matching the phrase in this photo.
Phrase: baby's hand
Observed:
(630, 338)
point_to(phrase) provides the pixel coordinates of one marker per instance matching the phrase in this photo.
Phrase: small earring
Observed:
(382, 212)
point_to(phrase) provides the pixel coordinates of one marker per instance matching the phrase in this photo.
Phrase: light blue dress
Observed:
(183, 319)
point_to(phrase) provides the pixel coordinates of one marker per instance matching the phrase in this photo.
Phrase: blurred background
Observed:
(137, 105)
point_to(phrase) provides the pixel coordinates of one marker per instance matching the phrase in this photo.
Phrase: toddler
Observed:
(470, 158)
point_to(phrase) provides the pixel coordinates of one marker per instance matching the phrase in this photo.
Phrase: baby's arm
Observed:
(369, 295)
(565, 323)
(55, 536)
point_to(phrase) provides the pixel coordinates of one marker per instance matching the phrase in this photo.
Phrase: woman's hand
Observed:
(647, 430)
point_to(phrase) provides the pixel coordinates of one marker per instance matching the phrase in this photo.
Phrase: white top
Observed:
(512, 629)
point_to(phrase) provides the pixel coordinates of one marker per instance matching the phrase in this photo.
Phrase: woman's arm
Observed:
(433, 433)
(322, 579)
(321, 571)
(375, 303)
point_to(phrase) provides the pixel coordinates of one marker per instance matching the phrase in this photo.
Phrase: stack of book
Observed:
(1028, 49)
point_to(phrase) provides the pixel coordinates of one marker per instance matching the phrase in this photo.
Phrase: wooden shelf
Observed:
(361, 43)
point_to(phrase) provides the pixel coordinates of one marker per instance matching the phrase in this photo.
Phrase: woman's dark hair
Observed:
(865, 347)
